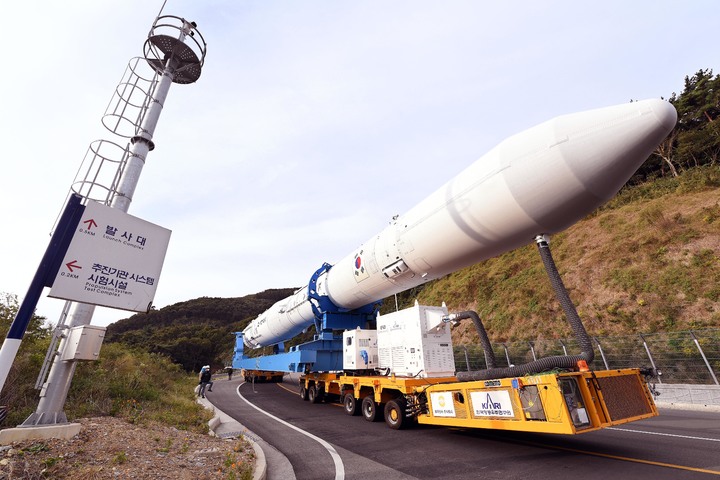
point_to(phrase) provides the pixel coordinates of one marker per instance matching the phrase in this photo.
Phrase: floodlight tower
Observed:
(174, 52)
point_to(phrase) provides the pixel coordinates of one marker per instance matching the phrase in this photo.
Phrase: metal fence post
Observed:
(532, 350)
(652, 362)
(467, 360)
(697, 344)
(563, 345)
(602, 354)
(507, 355)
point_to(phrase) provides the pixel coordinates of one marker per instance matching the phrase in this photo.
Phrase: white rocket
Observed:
(539, 181)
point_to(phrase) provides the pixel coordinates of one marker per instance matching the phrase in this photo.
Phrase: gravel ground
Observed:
(111, 448)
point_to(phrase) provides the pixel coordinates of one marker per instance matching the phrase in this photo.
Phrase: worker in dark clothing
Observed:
(205, 380)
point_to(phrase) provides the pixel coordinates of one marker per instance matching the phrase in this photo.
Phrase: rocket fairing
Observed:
(536, 182)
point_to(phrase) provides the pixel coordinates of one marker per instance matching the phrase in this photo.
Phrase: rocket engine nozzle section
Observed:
(539, 181)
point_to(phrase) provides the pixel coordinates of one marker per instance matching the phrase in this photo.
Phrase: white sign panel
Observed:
(442, 404)
(114, 260)
(492, 403)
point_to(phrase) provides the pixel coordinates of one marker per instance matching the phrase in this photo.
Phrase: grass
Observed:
(137, 386)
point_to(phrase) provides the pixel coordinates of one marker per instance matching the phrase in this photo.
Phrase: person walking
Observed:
(205, 380)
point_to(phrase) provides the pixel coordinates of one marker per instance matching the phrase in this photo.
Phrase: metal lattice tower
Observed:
(174, 52)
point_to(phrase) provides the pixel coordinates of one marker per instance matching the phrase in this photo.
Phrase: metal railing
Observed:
(687, 357)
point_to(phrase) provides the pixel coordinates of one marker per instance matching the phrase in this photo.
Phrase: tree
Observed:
(665, 152)
(698, 132)
(9, 306)
(695, 140)
(18, 393)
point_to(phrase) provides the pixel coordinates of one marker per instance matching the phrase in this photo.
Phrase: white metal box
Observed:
(83, 343)
(360, 350)
(416, 342)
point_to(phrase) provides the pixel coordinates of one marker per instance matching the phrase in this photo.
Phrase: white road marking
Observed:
(664, 434)
(339, 466)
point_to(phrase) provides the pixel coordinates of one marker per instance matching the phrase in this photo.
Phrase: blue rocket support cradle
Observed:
(324, 352)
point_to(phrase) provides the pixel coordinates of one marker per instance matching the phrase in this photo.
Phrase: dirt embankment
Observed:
(111, 448)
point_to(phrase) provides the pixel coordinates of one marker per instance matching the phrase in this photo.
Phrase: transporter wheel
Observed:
(369, 409)
(303, 393)
(315, 394)
(395, 414)
(351, 405)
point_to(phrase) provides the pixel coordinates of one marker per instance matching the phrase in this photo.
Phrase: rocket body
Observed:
(539, 181)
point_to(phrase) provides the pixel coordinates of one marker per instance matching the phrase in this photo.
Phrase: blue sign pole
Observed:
(44, 277)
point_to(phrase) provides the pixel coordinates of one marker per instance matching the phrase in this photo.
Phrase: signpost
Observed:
(114, 260)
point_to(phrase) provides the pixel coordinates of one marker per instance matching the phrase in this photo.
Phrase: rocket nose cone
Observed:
(589, 157)
(614, 142)
(664, 112)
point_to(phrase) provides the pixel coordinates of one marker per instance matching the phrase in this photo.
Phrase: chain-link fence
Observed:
(688, 357)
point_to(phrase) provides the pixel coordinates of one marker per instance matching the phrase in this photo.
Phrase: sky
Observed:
(313, 122)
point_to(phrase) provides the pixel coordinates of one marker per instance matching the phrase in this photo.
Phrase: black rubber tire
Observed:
(315, 394)
(303, 393)
(351, 405)
(370, 410)
(395, 414)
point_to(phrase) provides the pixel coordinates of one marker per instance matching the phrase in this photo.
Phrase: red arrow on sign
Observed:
(91, 223)
(72, 265)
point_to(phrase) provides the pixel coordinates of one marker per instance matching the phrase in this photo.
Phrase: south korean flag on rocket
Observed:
(361, 272)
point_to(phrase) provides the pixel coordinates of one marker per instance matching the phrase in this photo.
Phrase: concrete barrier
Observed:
(63, 431)
(688, 396)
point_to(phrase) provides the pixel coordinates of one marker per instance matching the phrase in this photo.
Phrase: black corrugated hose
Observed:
(547, 363)
(482, 334)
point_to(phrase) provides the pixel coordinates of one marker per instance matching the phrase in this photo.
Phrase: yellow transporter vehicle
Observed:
(405, 371)
(565, 403)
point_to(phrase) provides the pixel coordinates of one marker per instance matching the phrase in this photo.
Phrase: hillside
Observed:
(196, 332)
(649, 261)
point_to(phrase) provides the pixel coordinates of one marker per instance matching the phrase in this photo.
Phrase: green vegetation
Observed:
(138, 386)
(695, 141)
(19, 393)
(129, 383)
(194, 333)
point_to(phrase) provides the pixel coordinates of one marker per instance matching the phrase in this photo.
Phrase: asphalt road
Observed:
(321, 442)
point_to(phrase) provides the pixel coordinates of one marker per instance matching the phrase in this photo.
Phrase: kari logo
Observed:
(492, 404)
(361, 272)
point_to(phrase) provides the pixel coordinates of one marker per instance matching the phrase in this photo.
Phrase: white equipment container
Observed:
(416, 342)
(360, 349)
